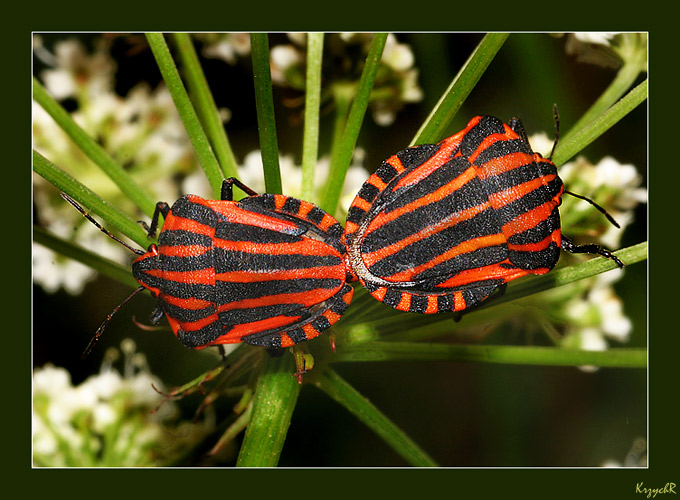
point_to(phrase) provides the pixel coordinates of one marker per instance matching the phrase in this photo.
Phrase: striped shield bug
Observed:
(441, 227)
(268, 270)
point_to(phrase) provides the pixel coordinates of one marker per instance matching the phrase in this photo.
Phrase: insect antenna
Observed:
(102, 327)
(598, 207)
(556, 114)
(103, 230)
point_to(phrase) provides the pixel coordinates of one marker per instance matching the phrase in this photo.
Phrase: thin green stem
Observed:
(264, 102)
(622, 82)
(332, 384)
(186, 111)
(434, 127)
(205, 104)
(95, 261)
(522, 355)
(310, 141)
(342, 156)
(93, 150)
(275, 397)
(413, 325)
(570, 274)
(95, 205)
(579, 140)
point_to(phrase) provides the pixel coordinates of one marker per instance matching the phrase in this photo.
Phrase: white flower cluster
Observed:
(395, 85)
(108, 420)
(592, 311)
(611, 49)
(143, 130)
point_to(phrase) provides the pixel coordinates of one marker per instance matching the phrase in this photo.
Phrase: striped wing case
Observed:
(442, 227)
(268, 270)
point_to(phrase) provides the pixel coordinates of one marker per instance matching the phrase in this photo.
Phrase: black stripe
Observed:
(251, 314)
(441, 272)
(416, 220)
(386, 172)
(392, 297)
(415, 156)
(194, 211)
(228, 291)
(201, 337)
(530, 200)
(502, 148)
(418, 304)
(181, 237)
(186, 315)
(355, 214)
(368, 192)
(487, 125)
(536, 259)
(316, 215)
(231, 231)
(291, 205)
(231, 260)
(538, 232)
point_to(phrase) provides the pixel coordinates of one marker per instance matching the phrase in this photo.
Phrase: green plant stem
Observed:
(93, 260)
(186, 110)
(310, 140)
(517, 290)
(206, 108)
(623, 80)
(566, 275)
(93, 150)
(342, 155)
(275, 397)
(579, 140)
(546, 356)
(332, 384)
(434, 127)
(264, 103)
(94, 205)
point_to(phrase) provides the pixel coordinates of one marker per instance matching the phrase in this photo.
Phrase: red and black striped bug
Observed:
(268, 270)
(441, 227)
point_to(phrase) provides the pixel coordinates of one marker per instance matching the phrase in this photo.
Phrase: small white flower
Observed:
(541, 143)
(227, 46)
(283, 57)
(597, 37)
(397, 56)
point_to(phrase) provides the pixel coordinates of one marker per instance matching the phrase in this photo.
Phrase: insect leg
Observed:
(228, 189)
(593, 248)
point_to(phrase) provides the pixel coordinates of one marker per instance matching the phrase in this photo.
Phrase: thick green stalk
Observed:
(342, 156)
(94, 151)
(275, 397)
(434, 127)
(264, 102)
(579, 140)
(310, 141)
(186, 111)
(333, 385)
(94, 205)
(205, 105)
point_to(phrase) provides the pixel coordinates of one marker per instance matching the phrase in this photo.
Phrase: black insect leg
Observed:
(569, 246)
(163, 209)
(517, 127)
(227, 193)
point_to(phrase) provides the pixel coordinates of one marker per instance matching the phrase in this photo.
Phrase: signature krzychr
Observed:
(653, 492)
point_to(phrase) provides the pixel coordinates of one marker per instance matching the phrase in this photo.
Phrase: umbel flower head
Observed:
(109, 420)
